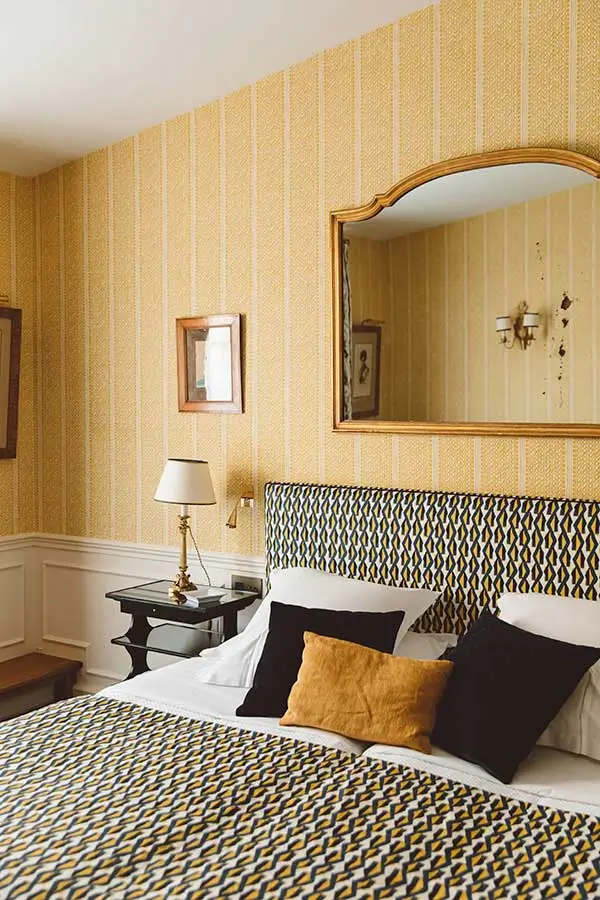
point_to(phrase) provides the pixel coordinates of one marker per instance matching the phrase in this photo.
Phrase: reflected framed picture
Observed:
(10, 355)
(209, 364)
(366, 354)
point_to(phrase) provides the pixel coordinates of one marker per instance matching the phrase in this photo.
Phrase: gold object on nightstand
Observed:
(183, 582)
(186, 482)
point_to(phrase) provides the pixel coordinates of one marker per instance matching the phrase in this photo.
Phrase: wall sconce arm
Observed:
(246, 501)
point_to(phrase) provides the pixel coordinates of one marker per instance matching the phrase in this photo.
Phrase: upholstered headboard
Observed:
(471, 546)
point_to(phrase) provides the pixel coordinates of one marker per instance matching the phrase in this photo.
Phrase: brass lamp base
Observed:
(182, 583)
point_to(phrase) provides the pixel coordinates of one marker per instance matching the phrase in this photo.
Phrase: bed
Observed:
(155, 788)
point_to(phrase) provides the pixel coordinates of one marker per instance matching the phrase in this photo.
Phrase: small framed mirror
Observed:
(479, 277)
(209, 364)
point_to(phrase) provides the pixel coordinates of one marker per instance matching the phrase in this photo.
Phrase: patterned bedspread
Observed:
(99, 798)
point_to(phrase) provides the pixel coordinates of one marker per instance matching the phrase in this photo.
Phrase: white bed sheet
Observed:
(549, 777)
(178, 689)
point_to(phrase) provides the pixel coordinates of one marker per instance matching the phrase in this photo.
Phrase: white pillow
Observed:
(566, 619)
(234, 662)
(424, 645)
(576, 728)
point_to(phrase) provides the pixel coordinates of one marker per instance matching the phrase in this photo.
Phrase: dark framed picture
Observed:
(10, 356)
(366, 354)
(209, 364)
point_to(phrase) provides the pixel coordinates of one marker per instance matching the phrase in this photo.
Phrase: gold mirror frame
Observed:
(381, 201)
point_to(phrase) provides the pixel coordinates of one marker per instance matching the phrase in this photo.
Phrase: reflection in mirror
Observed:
(209, 364)
(366, 356)
(212, 361)
(482, 287)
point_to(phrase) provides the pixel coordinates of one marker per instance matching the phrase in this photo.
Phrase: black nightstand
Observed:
(183, 639)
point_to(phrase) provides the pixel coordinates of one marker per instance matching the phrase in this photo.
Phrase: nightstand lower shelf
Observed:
(187, 632)
(174, 640)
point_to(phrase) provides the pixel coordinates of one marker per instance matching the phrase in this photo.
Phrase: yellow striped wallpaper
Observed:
(19, 477)
(225, 209)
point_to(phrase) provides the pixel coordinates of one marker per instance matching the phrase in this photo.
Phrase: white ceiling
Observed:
(465, 194)
(76, 75)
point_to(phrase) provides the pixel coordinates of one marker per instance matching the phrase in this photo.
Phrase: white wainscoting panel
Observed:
(19, 612)
(77, 621)
(77, 615)
(12, 603)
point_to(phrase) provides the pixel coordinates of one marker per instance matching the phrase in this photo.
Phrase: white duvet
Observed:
(549, 777)
(178, 689)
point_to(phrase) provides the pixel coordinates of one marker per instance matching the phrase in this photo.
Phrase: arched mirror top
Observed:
(465, 299)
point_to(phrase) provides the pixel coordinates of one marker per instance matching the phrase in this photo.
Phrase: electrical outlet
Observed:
(246, 583)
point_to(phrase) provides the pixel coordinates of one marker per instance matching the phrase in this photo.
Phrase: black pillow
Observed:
(505, 688)
(281, 658)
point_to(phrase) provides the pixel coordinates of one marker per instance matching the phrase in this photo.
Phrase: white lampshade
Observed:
(503, 323)
(186, 482)
(531, 320)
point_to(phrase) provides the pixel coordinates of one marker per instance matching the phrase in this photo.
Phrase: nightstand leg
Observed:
(229, 624)
(138, 633)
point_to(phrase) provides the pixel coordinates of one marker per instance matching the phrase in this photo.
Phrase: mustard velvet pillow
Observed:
(365, 694)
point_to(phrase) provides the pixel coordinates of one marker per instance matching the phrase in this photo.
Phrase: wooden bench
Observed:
(28, 682)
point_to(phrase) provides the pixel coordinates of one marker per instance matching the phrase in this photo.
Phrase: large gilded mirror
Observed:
(466, 299)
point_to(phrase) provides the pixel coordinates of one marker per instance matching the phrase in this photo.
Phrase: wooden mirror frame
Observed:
(381, 201)
(9, 449)
(234, 323)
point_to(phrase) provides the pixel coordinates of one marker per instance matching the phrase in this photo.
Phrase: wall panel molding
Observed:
(149, 553)
(65, 642)
(16, 542)
(62, 585)
(12, 604)
(12, 642)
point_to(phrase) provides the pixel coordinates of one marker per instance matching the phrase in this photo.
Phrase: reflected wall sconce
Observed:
(521, 325)
(246, 501)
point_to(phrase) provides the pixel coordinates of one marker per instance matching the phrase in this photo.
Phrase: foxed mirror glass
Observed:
(466, 299)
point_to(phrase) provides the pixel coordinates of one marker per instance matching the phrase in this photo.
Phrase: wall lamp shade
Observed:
(521, 324)
(186, 482)
(531, 320)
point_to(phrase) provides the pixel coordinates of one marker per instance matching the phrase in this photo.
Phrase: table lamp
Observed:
(185, 482)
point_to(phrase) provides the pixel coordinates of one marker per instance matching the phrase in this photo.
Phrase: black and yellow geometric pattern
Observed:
(472, 547)
(101, 799)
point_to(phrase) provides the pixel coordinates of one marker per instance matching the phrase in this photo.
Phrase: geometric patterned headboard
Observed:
(471, 546)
